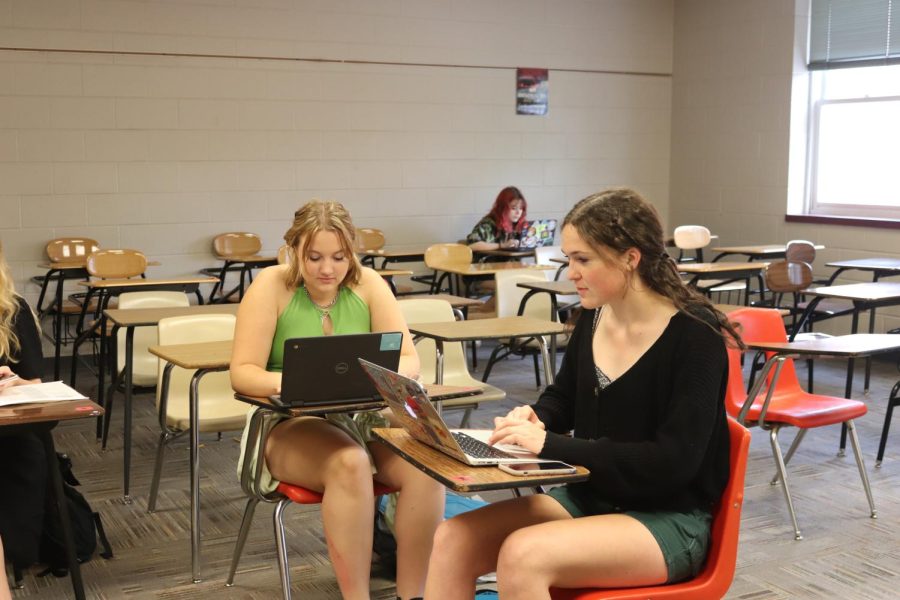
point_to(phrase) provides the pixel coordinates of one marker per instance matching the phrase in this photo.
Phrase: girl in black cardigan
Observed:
(642, 389)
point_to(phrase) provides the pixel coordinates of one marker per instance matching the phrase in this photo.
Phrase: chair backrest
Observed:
(70, 249)
(284, 254)
(369, 239)
(214, 387)
(144, 364)
(786, 276)
(800, 251)
(434, 310)
(691, 237)
(443, 254)
(509, 294)
(116, 264)
(756, 325)
(543, 254)
(236, 243)
(717, 574)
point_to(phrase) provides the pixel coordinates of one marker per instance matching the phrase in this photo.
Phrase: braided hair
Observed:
(619, 219)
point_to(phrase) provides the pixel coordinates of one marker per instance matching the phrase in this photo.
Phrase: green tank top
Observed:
(300, 318)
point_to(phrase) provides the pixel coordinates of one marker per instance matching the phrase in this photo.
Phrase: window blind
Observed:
(854, 33)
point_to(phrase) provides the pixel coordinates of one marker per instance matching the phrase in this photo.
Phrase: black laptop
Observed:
(324, 370)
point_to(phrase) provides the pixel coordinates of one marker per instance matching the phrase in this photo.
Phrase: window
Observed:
(854, 150)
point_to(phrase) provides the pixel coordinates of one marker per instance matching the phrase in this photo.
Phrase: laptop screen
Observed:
(539, 233)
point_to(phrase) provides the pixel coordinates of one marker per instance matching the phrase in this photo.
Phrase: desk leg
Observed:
(62, 507)
(848, 390)
(195, 471)
(545, 357)
(129, 352)
(57, 326)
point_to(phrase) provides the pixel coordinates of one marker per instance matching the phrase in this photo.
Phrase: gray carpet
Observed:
(845, 554)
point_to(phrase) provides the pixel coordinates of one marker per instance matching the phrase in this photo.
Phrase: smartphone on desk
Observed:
(552, 467)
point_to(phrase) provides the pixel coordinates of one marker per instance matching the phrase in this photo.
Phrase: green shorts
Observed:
(683, 537)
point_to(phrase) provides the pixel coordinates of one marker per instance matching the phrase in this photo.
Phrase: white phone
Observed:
(537, 468)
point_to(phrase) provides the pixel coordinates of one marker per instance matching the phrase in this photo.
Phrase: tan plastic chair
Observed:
(236, 243)
(509, 297)
(63, 250)
(144, 364)
(284, 254)
(431, 310)
(438, 255)
(691, 237)
(369, 239)
(217, 409)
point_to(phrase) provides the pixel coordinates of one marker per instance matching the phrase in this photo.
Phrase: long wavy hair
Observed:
(9, 342)
(618, 219)
(313, 217)
(500, 211)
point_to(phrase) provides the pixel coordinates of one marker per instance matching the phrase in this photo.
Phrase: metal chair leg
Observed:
(779, 462)
(854, 442)
(281, 547)
(787, 457)
(164, 438)
(242, 539)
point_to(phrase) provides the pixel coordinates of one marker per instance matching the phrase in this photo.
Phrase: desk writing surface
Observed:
(79, 264)
(867, 264)
(720, 267)
(489, 268)
(461, 477)
(66, 410)
(393, 272)
(202, 355)
(244, 258)
(563, 288)
(758, 249)
(394, 252)
(853, 345)
(454, 301)
(483, 329)
(875, 291)
(507, 252)
(138, 283)
(136, 317)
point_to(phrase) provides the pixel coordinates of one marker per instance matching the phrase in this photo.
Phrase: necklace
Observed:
(324, 311)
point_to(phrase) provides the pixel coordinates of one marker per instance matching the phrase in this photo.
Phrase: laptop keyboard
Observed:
(476, 448)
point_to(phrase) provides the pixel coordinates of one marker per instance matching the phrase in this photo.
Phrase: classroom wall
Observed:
(123, 137)
(738, 139)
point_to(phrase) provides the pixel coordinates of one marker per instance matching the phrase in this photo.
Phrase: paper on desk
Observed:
(52, 391)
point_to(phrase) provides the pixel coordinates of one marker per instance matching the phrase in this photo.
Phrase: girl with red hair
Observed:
(504, 225)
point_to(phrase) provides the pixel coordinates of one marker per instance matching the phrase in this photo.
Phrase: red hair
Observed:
(500, 211)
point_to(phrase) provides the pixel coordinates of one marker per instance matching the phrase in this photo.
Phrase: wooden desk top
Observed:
(564, 288)
(874, 291)
(395, 252)
(847, 346)
(763, 250)
(202, 355)
(80, 264)
(458, 476)
(393, 272)
(486, 329)
(507, 252)
(67, 410)
(455, 301)
(867, 264)
(139, 283)
(489, 268)
(720, 267)
(141, 317)
(248, 258)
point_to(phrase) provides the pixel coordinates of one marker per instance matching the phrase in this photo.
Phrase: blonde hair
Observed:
(9, 306)
(313, 217)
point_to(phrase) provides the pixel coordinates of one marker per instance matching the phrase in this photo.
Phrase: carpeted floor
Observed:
(844, 553)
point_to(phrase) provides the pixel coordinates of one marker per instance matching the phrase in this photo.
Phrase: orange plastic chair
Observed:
(715, 578)
(784, 402)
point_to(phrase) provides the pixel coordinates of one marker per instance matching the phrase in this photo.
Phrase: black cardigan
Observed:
(656, 437)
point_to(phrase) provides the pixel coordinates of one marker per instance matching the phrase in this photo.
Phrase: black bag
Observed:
(86, 526)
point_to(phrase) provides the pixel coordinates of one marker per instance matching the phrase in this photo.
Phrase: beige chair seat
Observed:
(429, 310)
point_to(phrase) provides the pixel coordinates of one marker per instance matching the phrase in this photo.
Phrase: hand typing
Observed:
(521, 427)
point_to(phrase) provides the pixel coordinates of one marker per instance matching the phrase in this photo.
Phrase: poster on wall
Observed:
(532, 86)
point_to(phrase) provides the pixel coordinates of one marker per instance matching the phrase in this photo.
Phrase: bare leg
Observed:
(315, 454)
(420, 508)
(468, 545)
(4, 584)
(601, 551)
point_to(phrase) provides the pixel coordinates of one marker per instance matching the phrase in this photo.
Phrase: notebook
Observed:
(539, 233)
(409, 403)
(324, 370)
